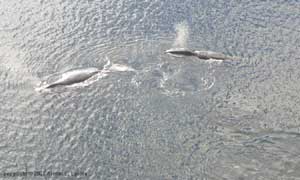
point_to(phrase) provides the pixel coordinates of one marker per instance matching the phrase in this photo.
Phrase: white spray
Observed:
(182, 34)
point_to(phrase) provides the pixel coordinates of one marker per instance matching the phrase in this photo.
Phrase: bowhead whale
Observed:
(200, 54)
(81, 74)
(74, 76)
(180, 51)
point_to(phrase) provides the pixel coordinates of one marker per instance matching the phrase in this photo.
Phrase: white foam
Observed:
(182, 34)
(208, 85)
(216, 61)
(120, 67)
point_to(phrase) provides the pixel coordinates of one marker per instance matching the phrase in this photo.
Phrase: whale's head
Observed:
(180, 52)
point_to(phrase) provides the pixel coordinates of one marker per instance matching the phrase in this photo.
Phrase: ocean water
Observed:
(172, 118)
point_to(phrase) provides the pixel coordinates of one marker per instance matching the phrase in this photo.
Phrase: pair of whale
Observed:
(81, 74)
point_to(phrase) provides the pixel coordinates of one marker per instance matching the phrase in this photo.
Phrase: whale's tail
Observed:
(234, 58)
(112, 67)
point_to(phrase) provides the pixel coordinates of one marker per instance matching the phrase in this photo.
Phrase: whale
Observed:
(180, 52)
(205, 55)
(79, 75)
(74, 76)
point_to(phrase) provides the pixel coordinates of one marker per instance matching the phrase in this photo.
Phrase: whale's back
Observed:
(74, 76)
(180, 52)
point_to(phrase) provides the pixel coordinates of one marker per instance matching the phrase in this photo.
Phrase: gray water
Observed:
(175, 118)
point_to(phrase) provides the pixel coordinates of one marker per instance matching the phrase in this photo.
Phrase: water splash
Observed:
(182, 34)
(177, 83)
(121, 68)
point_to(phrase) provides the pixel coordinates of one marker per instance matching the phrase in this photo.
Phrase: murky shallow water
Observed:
(176, 118)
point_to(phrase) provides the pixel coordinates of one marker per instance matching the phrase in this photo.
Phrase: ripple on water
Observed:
(124, 126)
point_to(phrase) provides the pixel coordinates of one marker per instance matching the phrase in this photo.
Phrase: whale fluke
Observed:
(120, 67)
(112, 67)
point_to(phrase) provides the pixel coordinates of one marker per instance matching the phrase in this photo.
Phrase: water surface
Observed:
(176, 118)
